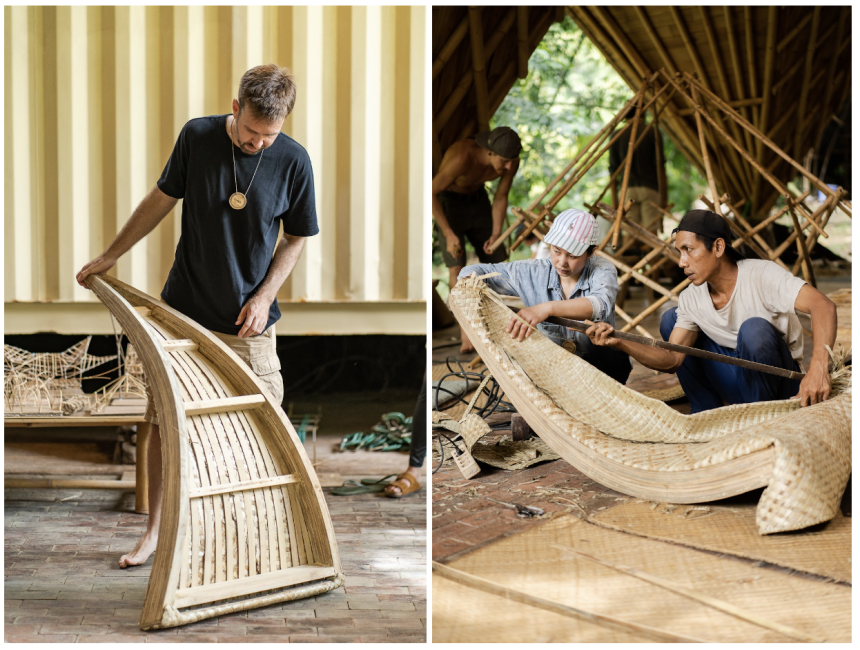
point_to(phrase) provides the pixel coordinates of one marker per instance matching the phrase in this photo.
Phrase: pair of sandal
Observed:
(405, 482)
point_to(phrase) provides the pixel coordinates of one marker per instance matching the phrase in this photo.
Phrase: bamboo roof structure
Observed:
(478, 54)
(787, 70)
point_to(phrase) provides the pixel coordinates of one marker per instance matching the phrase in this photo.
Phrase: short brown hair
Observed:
(269, 91)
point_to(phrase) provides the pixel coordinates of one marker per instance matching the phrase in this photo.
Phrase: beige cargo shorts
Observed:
(256, 351)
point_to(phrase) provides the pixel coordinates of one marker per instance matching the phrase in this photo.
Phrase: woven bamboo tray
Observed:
(243, 521)
(642, 447)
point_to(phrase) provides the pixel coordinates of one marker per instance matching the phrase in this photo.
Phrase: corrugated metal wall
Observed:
(95, 97)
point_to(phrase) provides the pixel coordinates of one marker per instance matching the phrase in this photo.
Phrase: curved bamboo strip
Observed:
(640, 446)
(244, 522)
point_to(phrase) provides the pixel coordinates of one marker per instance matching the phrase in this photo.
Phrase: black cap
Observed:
(502, 140)
(711, 225)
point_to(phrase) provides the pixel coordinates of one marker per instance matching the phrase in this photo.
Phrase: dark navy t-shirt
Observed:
(223, 254)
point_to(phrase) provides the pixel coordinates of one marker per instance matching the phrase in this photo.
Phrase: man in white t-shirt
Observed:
(739, 308)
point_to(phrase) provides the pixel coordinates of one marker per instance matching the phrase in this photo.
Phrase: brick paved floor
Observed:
(62, 583)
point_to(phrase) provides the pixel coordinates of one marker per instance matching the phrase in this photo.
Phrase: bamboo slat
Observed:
(243, 517)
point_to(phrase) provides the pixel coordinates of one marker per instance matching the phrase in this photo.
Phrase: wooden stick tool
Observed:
(581, 326)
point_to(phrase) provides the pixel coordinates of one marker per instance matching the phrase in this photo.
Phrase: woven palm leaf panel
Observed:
(785, 69)
(498, 41)
(243, 523)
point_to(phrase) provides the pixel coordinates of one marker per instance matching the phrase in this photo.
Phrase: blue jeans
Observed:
(709, 384)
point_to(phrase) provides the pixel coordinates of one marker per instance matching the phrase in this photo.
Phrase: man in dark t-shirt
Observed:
(240, 178)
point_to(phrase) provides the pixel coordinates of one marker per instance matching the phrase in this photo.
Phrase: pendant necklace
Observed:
(237, 199)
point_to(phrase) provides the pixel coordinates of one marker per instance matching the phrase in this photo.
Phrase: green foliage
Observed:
(569, 95)
(571, 92)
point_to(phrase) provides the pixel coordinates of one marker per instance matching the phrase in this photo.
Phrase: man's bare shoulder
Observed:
(462, 152)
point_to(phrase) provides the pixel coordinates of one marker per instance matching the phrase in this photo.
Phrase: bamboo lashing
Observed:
(581, 326)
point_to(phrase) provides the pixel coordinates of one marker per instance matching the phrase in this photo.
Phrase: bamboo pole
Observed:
(736, 67)
(807, 73)
(788, 38)
(616, 228)
(812, 238)
(655, 39)
(522, 42)
(751, 60)
(688, 43)
(802, 253)
(705, 157)
(627, 318)
(770, 52)
(774, 217)
(611, 26)
(621, 266)
(481, 96)
(450, 46)
(787, 77)
(666, 211)
(737, 103)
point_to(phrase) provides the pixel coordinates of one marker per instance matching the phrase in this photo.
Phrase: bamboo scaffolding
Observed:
(616, 228)
(758, 134)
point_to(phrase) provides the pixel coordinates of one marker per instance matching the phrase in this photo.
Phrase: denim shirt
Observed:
(536, 281)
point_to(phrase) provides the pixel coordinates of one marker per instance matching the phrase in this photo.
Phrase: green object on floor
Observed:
(392, 433)
(367, 486)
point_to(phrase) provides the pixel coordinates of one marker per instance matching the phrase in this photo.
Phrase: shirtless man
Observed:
(461, 207)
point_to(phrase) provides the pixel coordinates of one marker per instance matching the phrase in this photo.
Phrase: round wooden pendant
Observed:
(237, 201)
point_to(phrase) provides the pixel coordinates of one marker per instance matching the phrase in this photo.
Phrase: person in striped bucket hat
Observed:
(572, 283)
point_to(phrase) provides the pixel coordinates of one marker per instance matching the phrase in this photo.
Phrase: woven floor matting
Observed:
(599, 426)
(731, 529)
(532, 563)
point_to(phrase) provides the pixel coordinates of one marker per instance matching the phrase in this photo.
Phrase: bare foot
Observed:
(465, 343)
(145, 547)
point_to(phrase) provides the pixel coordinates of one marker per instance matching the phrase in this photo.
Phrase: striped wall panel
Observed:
(95, 97)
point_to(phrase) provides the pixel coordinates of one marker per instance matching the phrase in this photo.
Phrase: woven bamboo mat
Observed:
(533, 562)
(823, 551)
(465, 615)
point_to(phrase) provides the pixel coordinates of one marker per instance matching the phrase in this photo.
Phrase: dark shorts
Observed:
(470, 217)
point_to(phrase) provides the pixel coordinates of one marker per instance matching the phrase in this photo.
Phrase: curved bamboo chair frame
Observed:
(639, 446)
(244, 522)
